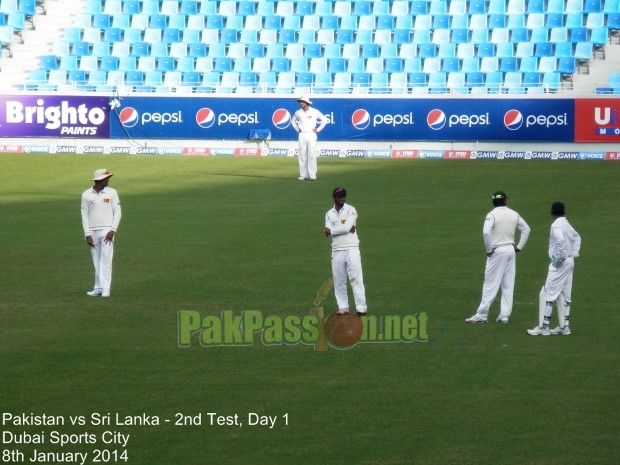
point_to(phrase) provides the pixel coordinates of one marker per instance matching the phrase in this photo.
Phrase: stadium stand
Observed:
(399, 46)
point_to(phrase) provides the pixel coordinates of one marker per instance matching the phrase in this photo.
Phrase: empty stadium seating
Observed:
(399, 46)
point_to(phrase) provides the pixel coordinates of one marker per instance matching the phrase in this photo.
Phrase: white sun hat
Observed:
(100, 174)
(304, 98)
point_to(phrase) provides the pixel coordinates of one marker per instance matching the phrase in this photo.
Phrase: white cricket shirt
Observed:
(306, 121)
(100, 210)
(500, 226)
(340, 224)
(564, 241)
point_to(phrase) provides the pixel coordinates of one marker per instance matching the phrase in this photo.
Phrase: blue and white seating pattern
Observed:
(399, 46)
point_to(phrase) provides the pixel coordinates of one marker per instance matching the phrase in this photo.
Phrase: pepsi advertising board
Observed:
(348, 119)
(54, 116)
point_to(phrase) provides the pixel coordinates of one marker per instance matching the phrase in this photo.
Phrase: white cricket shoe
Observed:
(502, 319)
(301, 178)
(95, 293)
(564, 331)
(342, 311)
(538, 331)
(476, 319)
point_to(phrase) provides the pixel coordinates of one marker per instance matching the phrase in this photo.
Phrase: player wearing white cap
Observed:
(341, 225)
(308, 122)
(498, 233)
(564, 245)
(101, 215)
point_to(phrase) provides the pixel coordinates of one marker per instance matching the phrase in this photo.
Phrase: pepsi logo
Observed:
(281, 118)
(436, 119)
(513, 119)
(205, 118)
(128, 117)
(360, 119)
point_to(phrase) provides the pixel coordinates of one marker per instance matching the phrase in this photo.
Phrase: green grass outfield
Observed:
(215, 234)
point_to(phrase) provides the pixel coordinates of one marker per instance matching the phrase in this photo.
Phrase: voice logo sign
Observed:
(513, 120)
(436, 119)
(205, 118)
(281, 118)
(128, 117)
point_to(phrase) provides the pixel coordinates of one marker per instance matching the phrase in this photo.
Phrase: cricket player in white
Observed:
(340, 224)
(500, 271)
(101, 215)
(564, 245)
(308, 122)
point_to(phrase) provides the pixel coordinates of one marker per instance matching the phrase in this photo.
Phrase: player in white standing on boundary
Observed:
(498, 233)
(564, 245)
(305, 121)
(341, 225)
(101, 215)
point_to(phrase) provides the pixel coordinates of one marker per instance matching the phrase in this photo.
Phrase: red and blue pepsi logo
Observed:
(513, 120)
(128, 117)
(205, 118)
(360, 119)
(436, 119)
(281, 118)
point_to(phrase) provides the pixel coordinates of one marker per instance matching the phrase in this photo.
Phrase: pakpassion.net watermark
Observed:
(337, 331)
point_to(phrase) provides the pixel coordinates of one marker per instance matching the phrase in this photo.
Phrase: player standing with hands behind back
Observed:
(564, 245)
(498, 233)
(308, 122)
(341, 225)
(101, 215)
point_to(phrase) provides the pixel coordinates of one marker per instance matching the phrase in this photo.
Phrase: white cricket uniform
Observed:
(564, 243)
(500, 270)
(101, 213)
(305, 122)
(346, 257)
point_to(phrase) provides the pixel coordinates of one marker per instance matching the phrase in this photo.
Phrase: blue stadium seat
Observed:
(547, 65)
(341, 83)
(109, 63)
(313, 50)
(322, 83)
(450, 65)
(189, 7)
(146, 63)
(489, 64)
(505, 50)
(509, 64)
(304, 8)
(555, 20)
(563, 49)
(544, 49)
(192, 78)
(460, 36)
(528, 64)
(532, 79)
(102, 21)
(356, 65)
(412, 65)
(552, 82)
(48, 62)
(470, 65)
(336, 65)
(222, 64)
(280, 65)
(127, 63)
(166, 64)
(370, 50)
(318, 65)
(437, 83)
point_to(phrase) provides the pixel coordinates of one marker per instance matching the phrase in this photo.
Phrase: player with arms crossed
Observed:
(340, 224)
(498, 233)
(564, 245)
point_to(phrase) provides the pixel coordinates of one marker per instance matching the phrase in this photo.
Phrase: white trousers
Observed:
(307, 155)
(348, 263)
(558, 288)
(102, 254)
(499, 273)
